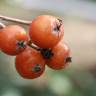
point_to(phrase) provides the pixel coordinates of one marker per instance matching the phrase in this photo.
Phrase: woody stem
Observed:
(15, 20)
(25, 22)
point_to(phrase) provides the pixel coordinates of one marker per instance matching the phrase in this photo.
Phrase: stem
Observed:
(34, 47)
(2, 25)
(29, 43)
(15, 20)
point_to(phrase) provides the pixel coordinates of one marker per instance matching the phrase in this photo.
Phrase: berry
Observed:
(30, 64)
(46, 31)
(61, 56)
(13, 39)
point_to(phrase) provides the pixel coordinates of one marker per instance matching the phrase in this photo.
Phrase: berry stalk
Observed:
(1, 25)
(32, 46)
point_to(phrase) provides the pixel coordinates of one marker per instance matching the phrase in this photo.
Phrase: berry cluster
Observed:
(39, 47)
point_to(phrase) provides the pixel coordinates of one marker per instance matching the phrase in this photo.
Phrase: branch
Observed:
(25, 22)
(29, 43)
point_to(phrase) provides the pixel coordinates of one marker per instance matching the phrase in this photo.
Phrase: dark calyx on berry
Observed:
(21, 44)
(37, 68)
(60, 21)
(46, 53)
(68, 59)
(57, 27)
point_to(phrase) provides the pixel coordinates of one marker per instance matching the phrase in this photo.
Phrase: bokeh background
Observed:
(79, 77)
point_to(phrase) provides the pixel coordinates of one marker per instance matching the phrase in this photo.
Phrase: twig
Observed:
(29, 43)
(25, 22)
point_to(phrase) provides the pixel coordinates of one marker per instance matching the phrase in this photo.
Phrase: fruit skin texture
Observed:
(44, 32)
(10, 36)
(58, 60)
(27, 61)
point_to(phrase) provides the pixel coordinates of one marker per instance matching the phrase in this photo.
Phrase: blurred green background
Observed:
(79, 77)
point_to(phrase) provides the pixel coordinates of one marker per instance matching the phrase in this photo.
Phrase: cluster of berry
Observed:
(39, 47)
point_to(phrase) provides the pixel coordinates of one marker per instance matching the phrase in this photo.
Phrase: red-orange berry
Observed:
(46, 31)
(13, 39)
(60, 57)
(30, 64)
